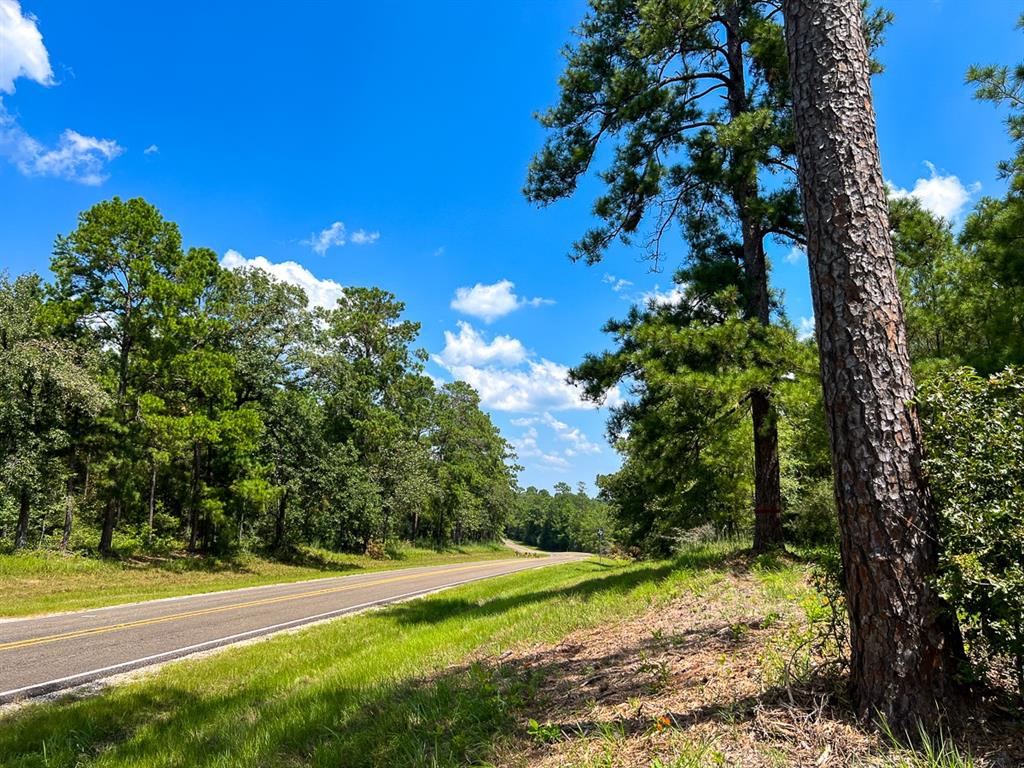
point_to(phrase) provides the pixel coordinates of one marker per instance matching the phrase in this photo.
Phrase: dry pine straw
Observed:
(698, 682)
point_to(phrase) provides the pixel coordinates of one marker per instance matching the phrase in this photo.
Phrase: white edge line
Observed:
(192, 595)
(50, 686)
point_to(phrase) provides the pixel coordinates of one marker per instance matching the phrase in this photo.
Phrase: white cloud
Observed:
(526, 447)
(321, 293)
(439, 251)
(618, 284)
(944, 196)
(336, 234)
(152, 149)
(580, 442)
(659, 298)
(805, 329)
(76, 157)
(362, 237)
(489, 302)
(795, 255)
(540, 385)
(22, 53)
(332, 235)
(470, 348)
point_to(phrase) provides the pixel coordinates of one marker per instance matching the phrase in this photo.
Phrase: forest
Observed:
(691, 119)
(153, 400)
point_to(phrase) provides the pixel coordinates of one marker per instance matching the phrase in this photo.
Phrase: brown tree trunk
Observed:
(767, 486)
(24, 509)
(193, 509)
(902, 643)
(279, 522)
(69, 514)
(152, 502)
(107, 532)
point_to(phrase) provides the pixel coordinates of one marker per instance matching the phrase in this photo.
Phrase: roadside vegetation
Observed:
(704, 660)
(685, 119)
(45, 582)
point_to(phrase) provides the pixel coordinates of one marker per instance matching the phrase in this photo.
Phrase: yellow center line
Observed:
(205, 611)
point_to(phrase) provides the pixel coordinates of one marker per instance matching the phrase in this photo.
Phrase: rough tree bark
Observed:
(107, 531)
(903, 643)
(24, 508)
(69, 513)
(768, 533)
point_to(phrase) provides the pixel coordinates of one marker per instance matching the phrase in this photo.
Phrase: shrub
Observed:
(974, 436)
(811, 517)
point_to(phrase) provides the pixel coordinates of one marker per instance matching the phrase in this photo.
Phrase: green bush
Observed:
(811, 517)
(974, 436)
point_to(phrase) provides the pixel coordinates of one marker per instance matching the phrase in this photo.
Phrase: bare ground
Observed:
(722, 676)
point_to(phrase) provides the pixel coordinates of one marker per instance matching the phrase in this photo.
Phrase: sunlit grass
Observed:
(363, 691)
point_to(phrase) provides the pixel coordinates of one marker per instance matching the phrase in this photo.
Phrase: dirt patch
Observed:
(720, 677)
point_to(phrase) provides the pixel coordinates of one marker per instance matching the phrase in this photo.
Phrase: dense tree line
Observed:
(150, 396)
(562, 520)
(729, 125)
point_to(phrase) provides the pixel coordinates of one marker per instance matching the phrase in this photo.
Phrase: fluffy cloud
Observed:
(362, 237)
(470, 348)
(618, 284)
(526, 447)
(944, 196)
(152, 149)
(336, 234)
(805, 329)
(532, 386)
(659, 298)
(489, 302)
(580, 442)
(321, 293)
(76, 157)
(332, 235)
(22, 53)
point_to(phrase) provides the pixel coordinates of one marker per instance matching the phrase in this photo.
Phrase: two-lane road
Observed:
(47, 653)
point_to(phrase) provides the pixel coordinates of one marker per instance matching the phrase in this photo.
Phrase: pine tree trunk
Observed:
(69, 514)
(107, 532)
(152, 502)
(24, 509)
(768, 533)
(902, 644)
(279, 522)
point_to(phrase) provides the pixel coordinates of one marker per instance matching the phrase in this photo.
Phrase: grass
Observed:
(364, 691)
(42, 582)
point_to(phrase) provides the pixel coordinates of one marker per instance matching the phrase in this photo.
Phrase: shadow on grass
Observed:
(440, 609)
(463, 716)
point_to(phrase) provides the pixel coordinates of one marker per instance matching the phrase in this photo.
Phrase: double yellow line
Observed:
(220, 609)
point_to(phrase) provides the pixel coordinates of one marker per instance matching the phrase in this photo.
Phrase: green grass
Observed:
(372, 690)
(40, 582)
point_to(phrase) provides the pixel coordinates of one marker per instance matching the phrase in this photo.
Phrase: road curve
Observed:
(48, 653)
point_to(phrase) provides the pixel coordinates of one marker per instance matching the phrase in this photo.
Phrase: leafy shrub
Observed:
(811, 517)
(974, 435)
(376, 550)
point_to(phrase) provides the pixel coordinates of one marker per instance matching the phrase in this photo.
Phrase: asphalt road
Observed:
(47, 653)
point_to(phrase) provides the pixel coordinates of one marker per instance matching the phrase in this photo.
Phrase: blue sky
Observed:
(386, 144)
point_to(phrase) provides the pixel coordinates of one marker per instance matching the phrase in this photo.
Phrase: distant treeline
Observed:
(150, 397)
(565, 520)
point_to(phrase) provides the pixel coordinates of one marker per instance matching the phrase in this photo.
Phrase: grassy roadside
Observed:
(701, 662)
(47, 582)
(358, 692)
